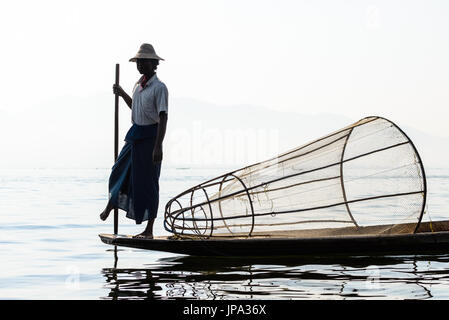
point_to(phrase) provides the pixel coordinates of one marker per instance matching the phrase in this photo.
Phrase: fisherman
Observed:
(134, 180)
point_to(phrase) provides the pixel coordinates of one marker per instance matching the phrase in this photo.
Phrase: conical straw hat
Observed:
(146, 51)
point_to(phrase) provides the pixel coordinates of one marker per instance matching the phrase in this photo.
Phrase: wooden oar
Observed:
(117, 76)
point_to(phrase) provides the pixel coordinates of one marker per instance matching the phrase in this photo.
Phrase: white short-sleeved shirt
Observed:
(148, 101)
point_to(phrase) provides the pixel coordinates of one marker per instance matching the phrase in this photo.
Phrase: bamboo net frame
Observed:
(366, 174)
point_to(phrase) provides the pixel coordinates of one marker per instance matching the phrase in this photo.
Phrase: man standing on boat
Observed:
(134, 180)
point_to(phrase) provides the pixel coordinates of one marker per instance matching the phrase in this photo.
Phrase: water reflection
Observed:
(312, 277)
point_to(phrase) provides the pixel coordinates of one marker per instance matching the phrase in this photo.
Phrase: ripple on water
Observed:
(52, 250)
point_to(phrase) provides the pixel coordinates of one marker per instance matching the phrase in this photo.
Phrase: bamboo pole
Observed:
(117, 76)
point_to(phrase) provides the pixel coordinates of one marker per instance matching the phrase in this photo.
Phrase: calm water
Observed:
(50, 249)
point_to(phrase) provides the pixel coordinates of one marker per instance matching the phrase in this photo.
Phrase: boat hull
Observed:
(426, 242)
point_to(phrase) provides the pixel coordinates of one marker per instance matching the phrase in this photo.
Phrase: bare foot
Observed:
(144, 235)
(148, 232)
(105, 214)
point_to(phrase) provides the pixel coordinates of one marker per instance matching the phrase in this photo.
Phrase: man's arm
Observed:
(118, 90)
(161, 128)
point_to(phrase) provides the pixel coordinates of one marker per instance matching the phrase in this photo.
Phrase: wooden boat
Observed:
(341, 179)
(430, 237)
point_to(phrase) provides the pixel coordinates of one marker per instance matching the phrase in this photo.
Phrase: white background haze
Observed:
(284, 71)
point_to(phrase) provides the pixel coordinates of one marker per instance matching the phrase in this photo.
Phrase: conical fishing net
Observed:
(366, 178)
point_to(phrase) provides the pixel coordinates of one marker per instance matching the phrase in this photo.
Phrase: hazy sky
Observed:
(352, 58)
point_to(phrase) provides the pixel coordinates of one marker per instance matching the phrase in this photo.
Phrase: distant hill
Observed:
(283, 131)
(240, 134)
(78, 132)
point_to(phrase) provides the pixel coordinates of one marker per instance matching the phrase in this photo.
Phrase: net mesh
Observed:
(366, 178)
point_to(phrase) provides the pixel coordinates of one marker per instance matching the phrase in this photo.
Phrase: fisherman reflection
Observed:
(131, 284)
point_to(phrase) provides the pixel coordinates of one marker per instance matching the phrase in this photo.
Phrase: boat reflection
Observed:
(312, 277)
